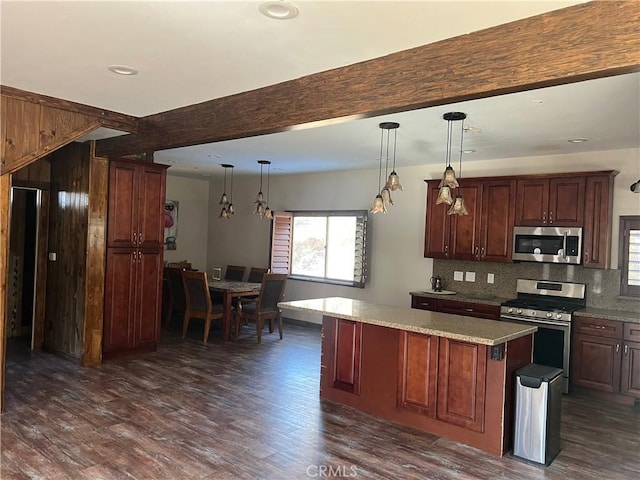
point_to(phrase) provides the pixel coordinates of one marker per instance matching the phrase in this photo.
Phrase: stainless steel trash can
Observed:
(537, 413)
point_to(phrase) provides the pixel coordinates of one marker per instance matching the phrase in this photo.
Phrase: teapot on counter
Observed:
(436, 283)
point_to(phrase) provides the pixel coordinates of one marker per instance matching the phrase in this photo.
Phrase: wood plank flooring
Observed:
(246, 411)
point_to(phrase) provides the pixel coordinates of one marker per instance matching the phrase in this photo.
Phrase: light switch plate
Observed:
(458, 276)
(490, 278)
(470, 276)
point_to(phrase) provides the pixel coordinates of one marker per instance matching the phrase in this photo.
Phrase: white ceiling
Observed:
(189, 52)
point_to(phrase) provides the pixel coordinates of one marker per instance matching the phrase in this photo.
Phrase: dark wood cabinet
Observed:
(630, 381)
(556, 201)
(345, 361)
(133, 279)
(417, 378)
(597, 221)
(456, 307)
(606, 356)
(486, 234)
(136, 195)
(461, 383)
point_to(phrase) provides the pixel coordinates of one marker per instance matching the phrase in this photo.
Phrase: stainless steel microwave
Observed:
(547, 244)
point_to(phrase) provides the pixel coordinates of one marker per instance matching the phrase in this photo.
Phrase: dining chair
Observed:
(265, 307)
(177, 300)
(198, 302)
(256, 274)
(234, 273)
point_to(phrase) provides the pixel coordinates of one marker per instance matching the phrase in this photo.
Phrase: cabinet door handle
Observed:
(482, 252)
(617, 347)
(446, 250)
(468, 309)
(626, 349)
(140, 239)
(477, 253)
(424, 304)
(550, 218)
(586, 257)
(544, 217)
(135, 238)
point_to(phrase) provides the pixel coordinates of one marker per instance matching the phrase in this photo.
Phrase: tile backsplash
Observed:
(603, 286)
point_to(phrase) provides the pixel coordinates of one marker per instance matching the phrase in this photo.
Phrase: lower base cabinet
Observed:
(606, 356)
(435, 384)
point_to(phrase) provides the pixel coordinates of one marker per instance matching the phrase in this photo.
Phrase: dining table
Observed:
(231, 290)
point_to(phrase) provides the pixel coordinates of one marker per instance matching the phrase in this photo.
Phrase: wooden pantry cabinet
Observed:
(135, 233)
(486, 234)
(606, 355)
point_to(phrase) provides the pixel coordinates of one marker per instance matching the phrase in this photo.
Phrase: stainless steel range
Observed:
(548, 305)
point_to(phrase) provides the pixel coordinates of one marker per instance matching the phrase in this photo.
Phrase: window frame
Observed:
(627, 223)
(360, 275)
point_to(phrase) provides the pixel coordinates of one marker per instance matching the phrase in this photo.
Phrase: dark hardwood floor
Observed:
(242, 411)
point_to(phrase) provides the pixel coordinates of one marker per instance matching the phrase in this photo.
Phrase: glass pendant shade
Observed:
(259, 198)
(224, 213)
(393, 182)
(386, 196)
(458, 207)
(449, 178)
(268, 214)
(378, 205)
(230, 209)
(259, 209)
(444, 196)
(223, 199)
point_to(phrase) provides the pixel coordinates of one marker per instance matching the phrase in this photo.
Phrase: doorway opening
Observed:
(23, 251)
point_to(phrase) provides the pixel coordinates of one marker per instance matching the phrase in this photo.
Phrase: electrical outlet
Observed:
(490, 278)
(470, 276)
(458, 276)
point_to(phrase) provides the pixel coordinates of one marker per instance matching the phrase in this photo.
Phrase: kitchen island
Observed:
(444, 374)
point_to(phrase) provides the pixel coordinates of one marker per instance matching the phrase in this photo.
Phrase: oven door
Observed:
(551, 343)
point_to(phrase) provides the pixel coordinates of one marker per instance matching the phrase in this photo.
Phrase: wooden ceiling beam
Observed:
(107, 118)
(582, 42)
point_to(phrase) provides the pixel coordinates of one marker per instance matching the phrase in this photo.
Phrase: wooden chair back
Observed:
(177, 299)
(256, 274)
(265, 307)
(234, 273)
(198, 302)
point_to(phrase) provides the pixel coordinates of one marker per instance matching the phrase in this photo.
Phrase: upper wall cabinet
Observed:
(496, 204)
(483, 235)
(137, 195)
(550, 202)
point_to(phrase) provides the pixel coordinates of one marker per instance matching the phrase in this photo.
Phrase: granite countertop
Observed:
(462, 297)
(458, 327)
(620, 315)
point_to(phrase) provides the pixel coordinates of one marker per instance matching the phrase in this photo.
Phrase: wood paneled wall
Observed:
(68, 229)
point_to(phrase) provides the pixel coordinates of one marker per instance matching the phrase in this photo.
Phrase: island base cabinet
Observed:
(445, 387)
(462, 372)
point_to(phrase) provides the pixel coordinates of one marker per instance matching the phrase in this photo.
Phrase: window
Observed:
(629, 256)
(321, 246)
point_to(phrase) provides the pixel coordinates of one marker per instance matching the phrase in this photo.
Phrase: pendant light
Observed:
(378, 202)
(393, 181)
(458, 207)
(268, 214)
(449, 180)
(260, 204)
(226, 202)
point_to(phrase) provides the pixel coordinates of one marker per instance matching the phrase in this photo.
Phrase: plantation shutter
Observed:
(281, 242)
(360, 267)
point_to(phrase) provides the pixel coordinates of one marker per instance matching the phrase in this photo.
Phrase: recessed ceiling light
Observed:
(279, 9)
(123, 70)
(577, 140)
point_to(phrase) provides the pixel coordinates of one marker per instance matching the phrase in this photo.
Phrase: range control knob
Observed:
(558, 316)
(549, 314)
(533, 313)
(519, 311)
(510, 310)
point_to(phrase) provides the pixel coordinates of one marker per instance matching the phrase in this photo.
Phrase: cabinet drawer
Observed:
(469, 309)
(632, 332)
(424, 303)
(598, 327)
